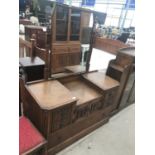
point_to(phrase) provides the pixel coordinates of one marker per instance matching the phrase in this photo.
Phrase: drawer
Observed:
(60, 49)
(74, 49)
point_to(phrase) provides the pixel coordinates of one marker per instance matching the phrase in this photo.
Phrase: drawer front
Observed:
(74, 48)
(60, 49)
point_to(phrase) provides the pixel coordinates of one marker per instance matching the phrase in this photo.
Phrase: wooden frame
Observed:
(109, 45)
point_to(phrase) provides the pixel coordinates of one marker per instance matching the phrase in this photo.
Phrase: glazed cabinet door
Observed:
(75, 22)
(61, 26)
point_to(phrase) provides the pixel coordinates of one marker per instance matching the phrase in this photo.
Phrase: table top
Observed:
(28, 61)
(101, 80)
(50, 94)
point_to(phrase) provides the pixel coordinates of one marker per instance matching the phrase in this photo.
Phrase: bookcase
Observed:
(67, 25)
(62, 35)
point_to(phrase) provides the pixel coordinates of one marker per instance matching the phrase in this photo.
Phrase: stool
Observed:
(30, 140)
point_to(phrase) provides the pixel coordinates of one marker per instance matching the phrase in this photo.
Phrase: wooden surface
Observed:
(39, 33)
(125, 56)
(28, 61)
(121, 69)
(61, 118)
(76, 69)
(109, 45)
(82, 91)
(50, 94)
(67, 52)
(101, 80)
(128, 51)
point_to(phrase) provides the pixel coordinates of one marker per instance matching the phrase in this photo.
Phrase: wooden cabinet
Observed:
(122, 70)
(74, 58)
(33, 68)
(61, 36)
(67, 24)
(60, 60)
(61, 23)
(67, 109)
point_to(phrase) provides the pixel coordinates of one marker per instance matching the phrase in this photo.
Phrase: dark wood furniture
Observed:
(31, 142)
(67, 26)
(68, 108)
(29, 49)
(33, 68)
(64, 36)
(122, 69)
(42, 35)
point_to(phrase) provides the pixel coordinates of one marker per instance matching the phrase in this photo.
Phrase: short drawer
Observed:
(60, 49)
(74, 49)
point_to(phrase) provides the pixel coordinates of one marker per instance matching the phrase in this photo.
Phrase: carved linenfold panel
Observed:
(85, 111)
(65, 116)
(96, 106)
(61, 117)
(82, 112)
(110, 97)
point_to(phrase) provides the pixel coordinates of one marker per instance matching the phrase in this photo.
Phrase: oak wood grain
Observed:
(50, 94)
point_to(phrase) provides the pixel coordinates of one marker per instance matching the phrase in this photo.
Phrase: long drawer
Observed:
(66, 48)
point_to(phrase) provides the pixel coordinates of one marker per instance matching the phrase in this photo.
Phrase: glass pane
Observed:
(114, 21)
(100, 7)
(108, 21)
(75, 24)
(117, 12)
(130, 14)
(61, 23)
(133, 22)
(127, 23)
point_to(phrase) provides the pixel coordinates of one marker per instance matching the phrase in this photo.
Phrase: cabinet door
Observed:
(74, 58)
(75, 24)
(62, 14)
(59, 61)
